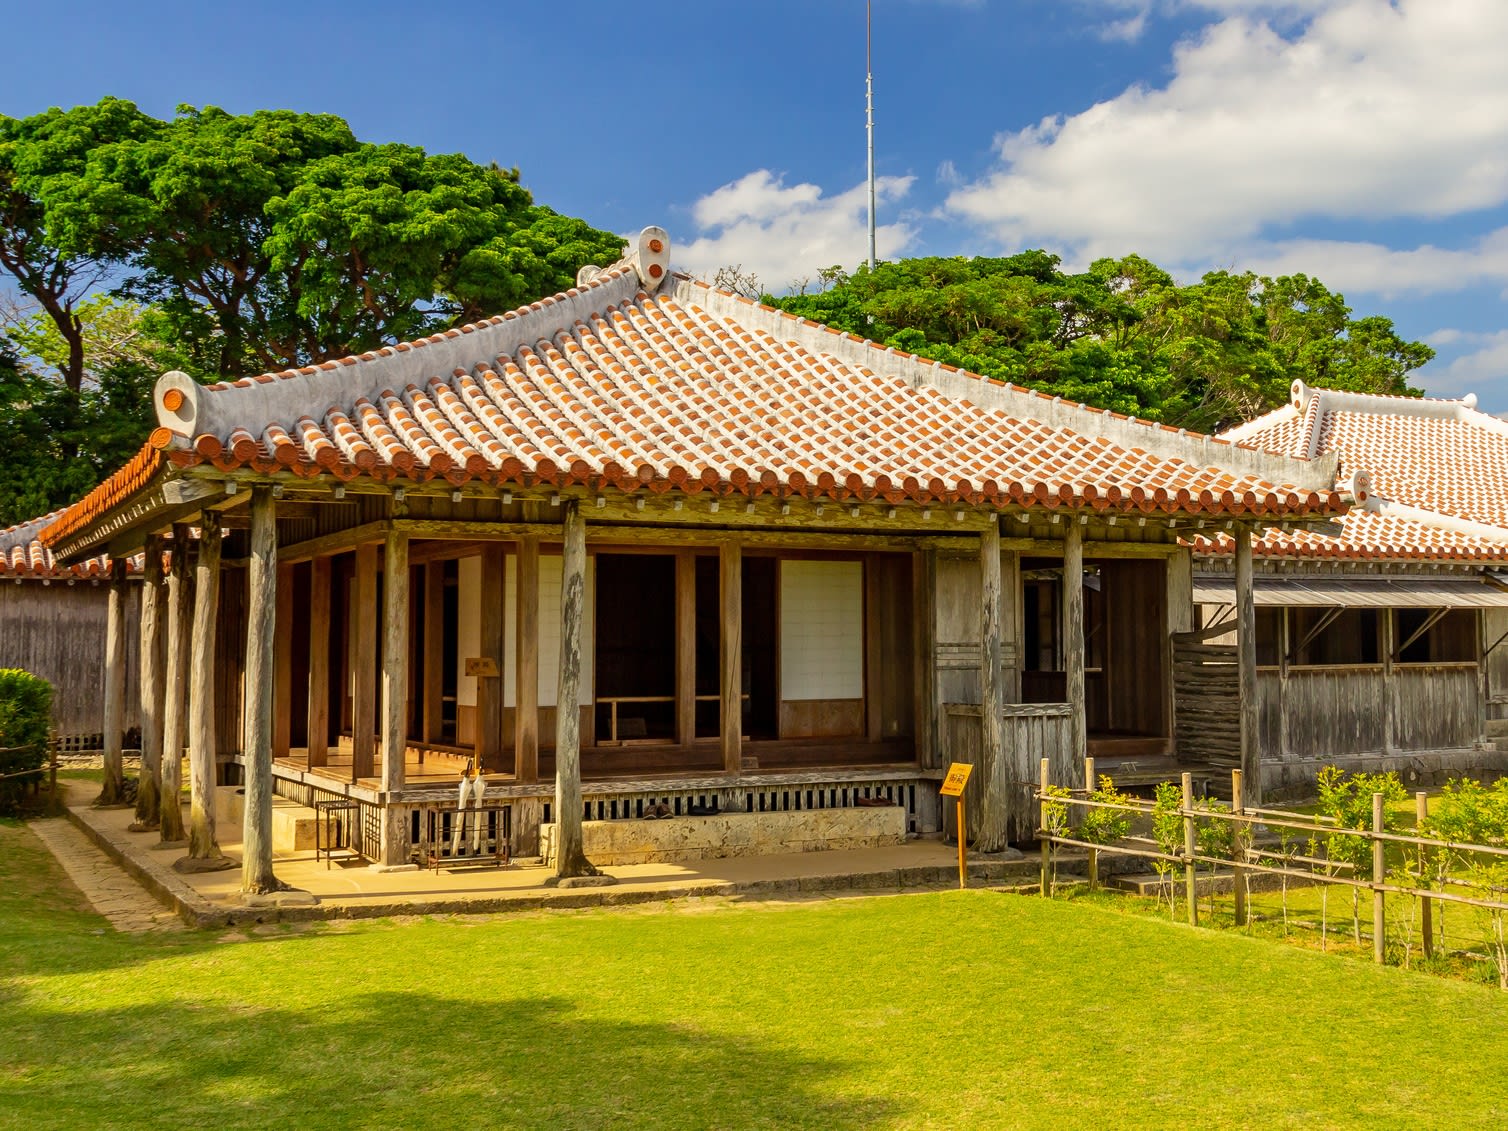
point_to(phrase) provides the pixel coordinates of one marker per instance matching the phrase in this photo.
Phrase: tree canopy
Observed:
(1122, 335)
(226, 244)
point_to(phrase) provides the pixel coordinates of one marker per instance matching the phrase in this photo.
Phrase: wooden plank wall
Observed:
(1494, 629)
(1434, 706)
(1030, 732)
(1206, 698)
(58, 632)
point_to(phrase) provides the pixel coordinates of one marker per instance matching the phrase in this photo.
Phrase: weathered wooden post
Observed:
(570, 854)
(393, 851)
(149, 780)
(1426, 906)
(1246, 664)
(1379, 875)
(730, 653)
(1045, 779)
(489, 684)
(175, 706)
(1190, 846)
(261, 629)
(1094, 854)
(317, 741)
(995, 789)
(1239, 836)
(1073, 632)
(363, 618)
(115, 686)
(527, 811)
(204, 853)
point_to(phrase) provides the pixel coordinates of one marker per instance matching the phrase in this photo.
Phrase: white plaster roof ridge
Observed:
(1192, 448)
(24, 533)
(1462, 409)
(282, 398)
(1242, 432)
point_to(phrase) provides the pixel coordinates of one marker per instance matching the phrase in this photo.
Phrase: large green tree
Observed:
(1123, 334)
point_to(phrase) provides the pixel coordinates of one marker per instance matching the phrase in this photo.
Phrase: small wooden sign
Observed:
(481, 666)
(958, 777)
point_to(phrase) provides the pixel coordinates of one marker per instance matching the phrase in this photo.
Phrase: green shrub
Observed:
(25, 719)
(1105, 826)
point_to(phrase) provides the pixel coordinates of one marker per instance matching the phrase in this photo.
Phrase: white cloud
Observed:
(1372, 268)
(1366, 109)
(1128, 29)
(1482, 369)
(948, 174)
(787, 233)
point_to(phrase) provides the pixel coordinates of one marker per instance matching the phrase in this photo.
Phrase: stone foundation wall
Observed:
(1417, 769)
(723, 835)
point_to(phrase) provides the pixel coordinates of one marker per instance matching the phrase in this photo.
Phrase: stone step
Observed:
(1497, 728)
(1150, 884)
(292, 824)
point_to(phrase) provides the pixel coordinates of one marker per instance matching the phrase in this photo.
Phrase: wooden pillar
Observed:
(1246, 661)
(924, 613)
(395, 574)
(282, 658)
(433, 676)
(489, 688)
(260, 693)
(175, 706)
(570, 854)
(1073, 636)
(1389, 642)
(364, 664)
(318, 741)
(1179, 579)
(115, 686)
(685, 647)
(990, 834)
(730, 653)
(526, 662)
(149, 781)
(204, 850)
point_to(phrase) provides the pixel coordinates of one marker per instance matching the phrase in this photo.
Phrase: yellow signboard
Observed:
(958, 777)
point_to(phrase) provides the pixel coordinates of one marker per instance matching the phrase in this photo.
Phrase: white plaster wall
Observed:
(549, 631)
(821, 630)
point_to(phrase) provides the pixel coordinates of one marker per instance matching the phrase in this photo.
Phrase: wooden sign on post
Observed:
(952, 786)
(482, 666)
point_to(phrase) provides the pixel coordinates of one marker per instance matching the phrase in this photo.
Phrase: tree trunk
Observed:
(570, 854)
(149, 781)
(1073, 636)
(204, 850)
(175, 706)
(256, 825)
(115, 686)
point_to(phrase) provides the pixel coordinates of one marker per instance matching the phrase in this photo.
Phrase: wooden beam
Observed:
(364, 663)
(203, 847)
(1073, 637)
(433, 676)
(393, 850)
(176, 690)
(991, 832)
(730, 653)
(261, 675)
(319, 662)
(114, 724)
(685, 647)
(489, 688)
(1052, 548)
(150, 688)
(526, 661)
(369, 533)
(570, 854)
(679, 534)
(283, 645)
(1246, 659)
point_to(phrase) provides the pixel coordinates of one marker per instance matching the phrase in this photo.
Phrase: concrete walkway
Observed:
(125, 903)
(356, 891)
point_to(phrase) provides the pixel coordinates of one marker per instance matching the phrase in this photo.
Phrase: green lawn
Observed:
(948, 1010)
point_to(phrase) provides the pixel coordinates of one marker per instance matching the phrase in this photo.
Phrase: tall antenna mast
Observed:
(869, 115)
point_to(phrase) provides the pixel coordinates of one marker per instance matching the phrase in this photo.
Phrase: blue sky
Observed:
(1364, 142)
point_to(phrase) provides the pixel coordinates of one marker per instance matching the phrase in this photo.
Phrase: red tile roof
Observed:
(1436, 471)
(609, 384)
(23, 556)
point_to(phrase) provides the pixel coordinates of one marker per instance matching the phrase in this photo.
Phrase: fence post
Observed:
(1046, 841)
(1426, 908)
(1378, 875)
(1094, 855)
(1238, 847)
(1189, 847)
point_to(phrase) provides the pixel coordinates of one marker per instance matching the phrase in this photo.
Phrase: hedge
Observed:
(25, 720)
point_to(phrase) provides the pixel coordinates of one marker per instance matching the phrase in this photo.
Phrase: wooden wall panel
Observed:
(822, 718)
